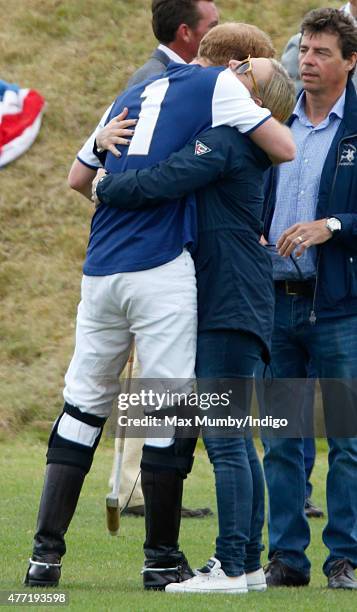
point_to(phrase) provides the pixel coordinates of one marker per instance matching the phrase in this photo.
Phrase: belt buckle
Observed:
(288, 292)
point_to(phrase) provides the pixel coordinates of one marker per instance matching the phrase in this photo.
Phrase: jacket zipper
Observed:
(313, 317)
(267, 212)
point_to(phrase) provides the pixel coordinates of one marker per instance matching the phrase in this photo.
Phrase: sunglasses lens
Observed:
(243, 68)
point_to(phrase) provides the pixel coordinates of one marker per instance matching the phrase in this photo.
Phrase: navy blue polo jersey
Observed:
(172, 109)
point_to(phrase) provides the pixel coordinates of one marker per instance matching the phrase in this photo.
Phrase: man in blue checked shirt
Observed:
(290, 59)
(311, 215)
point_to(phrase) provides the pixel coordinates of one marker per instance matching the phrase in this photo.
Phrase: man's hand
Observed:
(301, 236)
(114, 133)
(101, 172)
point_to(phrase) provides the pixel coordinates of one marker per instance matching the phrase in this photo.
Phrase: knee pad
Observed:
(74, 438)
(178, 457)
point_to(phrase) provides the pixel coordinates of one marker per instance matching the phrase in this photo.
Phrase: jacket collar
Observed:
(159, 55)
(173, 57)
(350, 114)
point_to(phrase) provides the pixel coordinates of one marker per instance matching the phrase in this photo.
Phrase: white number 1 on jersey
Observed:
(153, 96)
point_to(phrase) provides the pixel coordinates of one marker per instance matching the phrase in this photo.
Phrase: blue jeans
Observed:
(331, 345)
(309, 443)
(238, 473)
(309, 462)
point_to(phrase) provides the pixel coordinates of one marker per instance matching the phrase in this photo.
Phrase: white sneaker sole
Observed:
(257, 587)
(206, 591)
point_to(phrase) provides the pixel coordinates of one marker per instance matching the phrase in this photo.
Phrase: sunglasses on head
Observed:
(246, 67)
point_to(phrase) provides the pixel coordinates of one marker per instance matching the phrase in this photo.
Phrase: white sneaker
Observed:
(256, 581)
(211, 579)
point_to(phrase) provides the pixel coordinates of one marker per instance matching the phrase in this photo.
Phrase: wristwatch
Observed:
(333, 224)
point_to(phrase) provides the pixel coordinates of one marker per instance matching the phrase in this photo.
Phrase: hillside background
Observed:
(78, 54)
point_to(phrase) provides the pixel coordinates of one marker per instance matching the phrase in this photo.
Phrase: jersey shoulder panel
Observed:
(233, 105)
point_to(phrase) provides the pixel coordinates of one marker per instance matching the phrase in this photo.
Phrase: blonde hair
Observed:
(234, 41)
(278, 93)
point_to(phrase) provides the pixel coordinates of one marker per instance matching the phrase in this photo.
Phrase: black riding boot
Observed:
(61, 489)
(164, 562)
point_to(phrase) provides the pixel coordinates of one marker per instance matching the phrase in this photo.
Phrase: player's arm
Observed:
(199, 163)
(276, 141)
(232, 105)
(85, 166)
(80, 178)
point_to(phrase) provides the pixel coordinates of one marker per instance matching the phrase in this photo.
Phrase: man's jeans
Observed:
(332, 347)
(309, 443)
(238, 473)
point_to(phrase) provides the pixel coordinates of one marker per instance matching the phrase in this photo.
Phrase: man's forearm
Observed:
(183, 173)
(276, 140)
(80, 178)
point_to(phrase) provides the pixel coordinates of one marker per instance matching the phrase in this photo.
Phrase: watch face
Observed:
(333, 224)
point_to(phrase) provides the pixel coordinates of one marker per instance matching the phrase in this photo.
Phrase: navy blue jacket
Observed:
(336, 277)
(234, 273)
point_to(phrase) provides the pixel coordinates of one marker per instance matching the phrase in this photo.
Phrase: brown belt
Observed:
(300, 288)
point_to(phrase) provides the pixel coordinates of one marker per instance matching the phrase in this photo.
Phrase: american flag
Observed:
(20, 120)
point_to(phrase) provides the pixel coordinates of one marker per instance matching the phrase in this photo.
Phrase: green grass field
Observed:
(103, 573)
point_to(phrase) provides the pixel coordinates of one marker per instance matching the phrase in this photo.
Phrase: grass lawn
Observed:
(103, 573)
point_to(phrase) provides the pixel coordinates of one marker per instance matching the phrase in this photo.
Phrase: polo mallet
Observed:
(112, 499)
